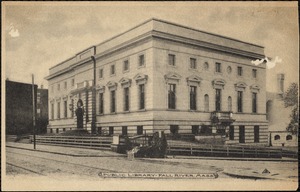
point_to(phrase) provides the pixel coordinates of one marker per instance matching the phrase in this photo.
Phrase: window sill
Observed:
(174, 66)
(193, 69)
(173, 109)
(141, 66)
(126, 71)
(218, 73)
(140, 110)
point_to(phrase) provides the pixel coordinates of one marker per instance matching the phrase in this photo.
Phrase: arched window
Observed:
(289, 137)
(206, 102)
(229, 101)
(277, 137)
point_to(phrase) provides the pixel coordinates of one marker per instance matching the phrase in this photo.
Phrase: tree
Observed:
(291, 100)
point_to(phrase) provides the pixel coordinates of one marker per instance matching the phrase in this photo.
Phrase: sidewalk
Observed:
(82, 152)
(60, 150)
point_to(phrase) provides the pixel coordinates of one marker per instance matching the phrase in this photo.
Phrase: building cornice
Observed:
(207, 45)
(161, 35)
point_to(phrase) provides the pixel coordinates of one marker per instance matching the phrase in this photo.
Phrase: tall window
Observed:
(112, 70)
(124, 130)
(100, 73)
(172, 96)
(193, 98)
(231, 132)
(126, 65)
(141, 60)
(65, 109)
(254, 102)
(240, 71)
(58, 110)
(126, 99)
(241, 134)
(139, 130)
(101, 103)
(111, 131)
(142, 96)
(240, 101)
(193, 64)
(73, 82)
(218, 99)
(218, 67)
(113, 101)
(66, 85)
(256, 134)
(195, 129)
(206, 103)
(229, 101)
(52, 110)
(58, 87)
(172, 59)
(254, 73)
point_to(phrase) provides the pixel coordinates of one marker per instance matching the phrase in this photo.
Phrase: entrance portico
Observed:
(221, 120)
(82, 95)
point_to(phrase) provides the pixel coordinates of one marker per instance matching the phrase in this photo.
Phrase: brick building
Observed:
(19, 108)
(162, 76)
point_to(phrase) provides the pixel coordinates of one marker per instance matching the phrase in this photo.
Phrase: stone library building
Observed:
(162, 76)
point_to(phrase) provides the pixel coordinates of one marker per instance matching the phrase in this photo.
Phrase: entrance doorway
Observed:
(242, 134)
(174, 129)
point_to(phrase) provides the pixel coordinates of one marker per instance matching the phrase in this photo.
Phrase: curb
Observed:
(58, 153)
(231, 159)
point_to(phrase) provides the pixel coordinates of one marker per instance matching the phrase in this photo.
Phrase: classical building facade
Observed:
(162, 76)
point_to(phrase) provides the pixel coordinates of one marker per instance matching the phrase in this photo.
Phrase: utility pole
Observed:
(33, 111)
(93, 124)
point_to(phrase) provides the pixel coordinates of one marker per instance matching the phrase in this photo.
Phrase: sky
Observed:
(37, 36)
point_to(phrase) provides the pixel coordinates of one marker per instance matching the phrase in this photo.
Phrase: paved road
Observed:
(49, 165)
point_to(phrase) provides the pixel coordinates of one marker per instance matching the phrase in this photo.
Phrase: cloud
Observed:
(258, 61)
(13, 32)
(272, 63)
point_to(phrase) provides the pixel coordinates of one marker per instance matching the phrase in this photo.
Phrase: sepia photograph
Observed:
(149, 96)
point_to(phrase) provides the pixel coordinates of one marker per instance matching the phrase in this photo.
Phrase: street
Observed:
(48, 165)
